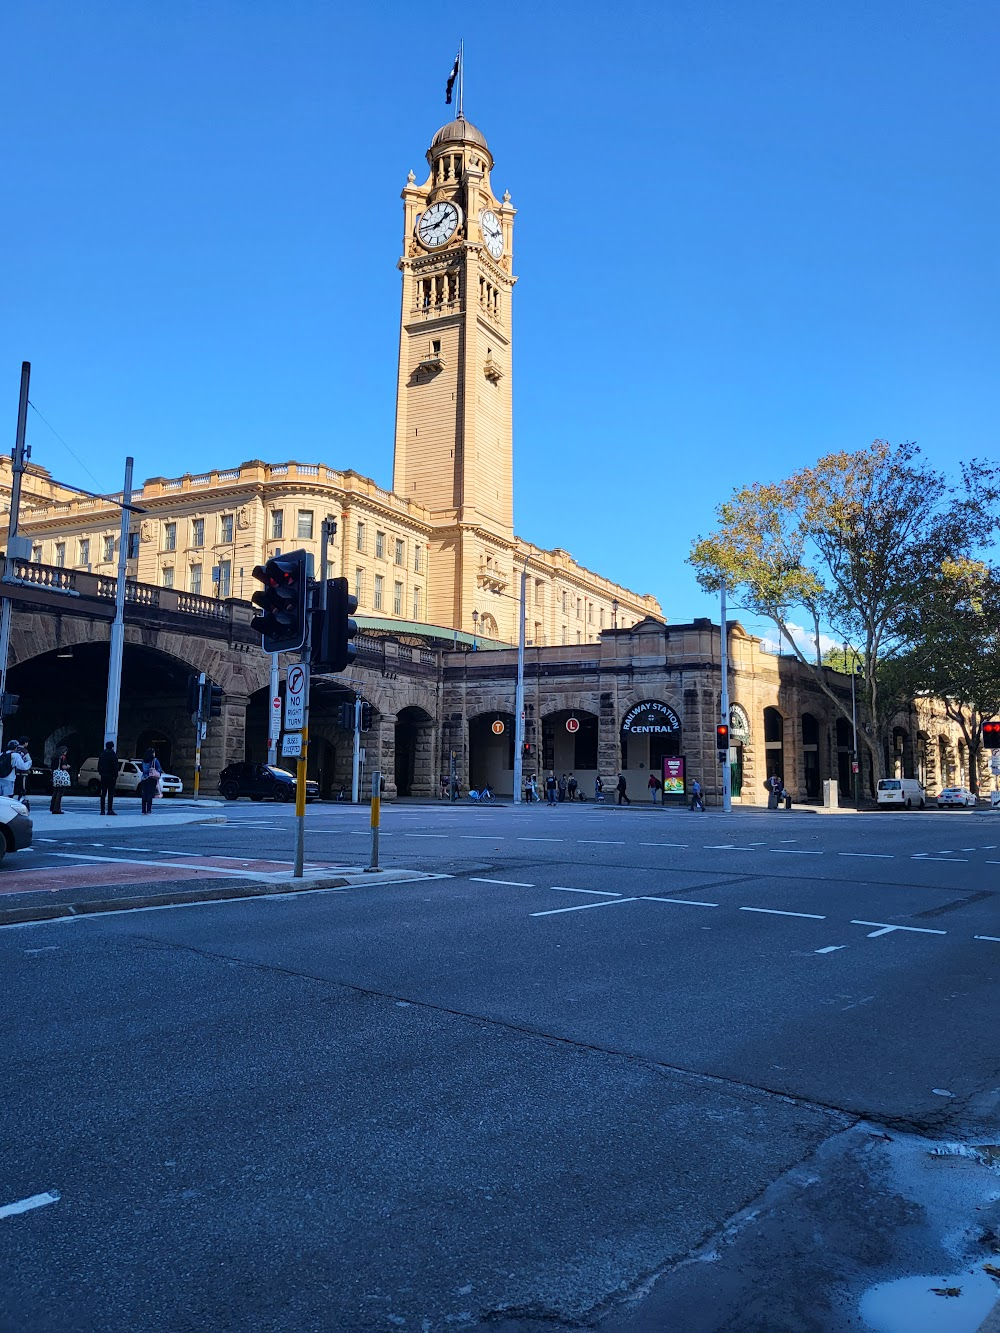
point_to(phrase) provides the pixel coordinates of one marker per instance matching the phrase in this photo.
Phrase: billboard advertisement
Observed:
(673, 777)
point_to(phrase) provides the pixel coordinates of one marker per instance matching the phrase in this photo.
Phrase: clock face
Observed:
(438, 224)
(492, 232)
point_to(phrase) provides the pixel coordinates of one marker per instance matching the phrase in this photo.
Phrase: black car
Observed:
(38, 782)
(262, 780)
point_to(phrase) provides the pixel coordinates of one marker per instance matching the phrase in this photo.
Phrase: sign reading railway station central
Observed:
(651, 719)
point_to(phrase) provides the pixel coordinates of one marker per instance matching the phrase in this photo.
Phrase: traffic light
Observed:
(283, 602)
(346, 717)
(194, 695)
(8, 704)
(991, 735)
(722, 741)
(213, 699)
(332, 646)
(366, 717)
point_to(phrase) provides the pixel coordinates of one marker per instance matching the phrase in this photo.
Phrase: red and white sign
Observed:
(296, 687)
(572, 724)
(276, 704)
(498, 728)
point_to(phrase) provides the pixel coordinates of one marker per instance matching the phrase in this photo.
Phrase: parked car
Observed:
(38, 782)
(129, 777)
(904, 792)
(260, 781)
(960, 796)
(15, 824)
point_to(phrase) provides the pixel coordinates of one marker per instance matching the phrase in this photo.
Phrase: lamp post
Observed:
(854, 722)
(475, 628)
(614, 613)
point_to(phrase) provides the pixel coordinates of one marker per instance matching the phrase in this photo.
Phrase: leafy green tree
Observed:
(861, 543)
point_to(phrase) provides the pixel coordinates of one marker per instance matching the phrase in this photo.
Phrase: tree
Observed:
(956, 653)
(862, 543)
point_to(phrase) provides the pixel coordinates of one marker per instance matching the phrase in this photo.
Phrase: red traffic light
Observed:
(991, 735)
(722, 736)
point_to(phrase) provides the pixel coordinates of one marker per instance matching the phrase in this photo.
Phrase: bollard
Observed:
(374, 868)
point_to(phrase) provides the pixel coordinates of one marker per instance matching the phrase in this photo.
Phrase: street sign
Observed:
(995, 762)
(296, 687)
(498, 728)
(291, 744)
(276, 704)
(572, 725)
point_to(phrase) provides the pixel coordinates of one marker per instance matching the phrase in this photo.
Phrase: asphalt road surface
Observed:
(623, 1069)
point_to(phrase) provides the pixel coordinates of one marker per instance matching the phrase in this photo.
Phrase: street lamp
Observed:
(614, 613)
(854, 722)
(475, 628)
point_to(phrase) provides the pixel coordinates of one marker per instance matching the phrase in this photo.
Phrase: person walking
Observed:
(107, 771)
(696, 802)
(562, 787)
(551, 789)
(60, 783)
(444, 786)
(21, 771)
(654, 786)
(12, 766)
(151, 772)
(774, 786)
(571, 786)
(598, 788)
(622, 793)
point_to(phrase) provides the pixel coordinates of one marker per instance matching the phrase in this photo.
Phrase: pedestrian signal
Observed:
(345, 716)
(282, 602)
(213, 699)
(194, 695)
(366, 717)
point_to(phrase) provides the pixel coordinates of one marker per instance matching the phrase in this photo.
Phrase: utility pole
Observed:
(727, 795)
(274, 721)
(18, 458)
(356, 760)
(118, 624)
(855, 763)
(519, 695)
(199, 734)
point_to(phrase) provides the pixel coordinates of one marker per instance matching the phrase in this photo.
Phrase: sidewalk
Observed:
(84, 812)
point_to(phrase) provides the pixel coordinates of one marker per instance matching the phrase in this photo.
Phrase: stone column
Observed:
(424, 777)
(609, 741)
(226, 740)
(381, 745)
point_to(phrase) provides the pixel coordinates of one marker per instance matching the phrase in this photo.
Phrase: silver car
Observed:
(960, 796)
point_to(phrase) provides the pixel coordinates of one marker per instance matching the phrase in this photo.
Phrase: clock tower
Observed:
(454, 446)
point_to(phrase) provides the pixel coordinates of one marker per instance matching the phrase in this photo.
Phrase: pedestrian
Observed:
(60, 783)
(654, 786)
(696, 802)
(551, 789)
(622, 794)
(562, 787)
(599, 788)
(774, 786)
(21, 772)
(571, 787)
(443, 786)
(107, 771)
(12, 766)
(151, 772)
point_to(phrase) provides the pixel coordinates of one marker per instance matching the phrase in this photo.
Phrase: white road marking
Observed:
(610, 902)
(126, 861)
(513, 883)
(931, 856)
(872, 856)
(541, 839)
(480, 837)
(994, 939)
(725, 847)
(662, 844)
(884, 929)
(774, 911)
(600, 842)
(687, 902)
(788, 839)
(792, 851)
(426, 835)
(26, 1205)
(56, 840)
(604, 893)
(830, 948)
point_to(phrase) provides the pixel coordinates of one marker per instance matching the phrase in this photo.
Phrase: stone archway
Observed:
(491, 751)
(414, 752)
(774, 742)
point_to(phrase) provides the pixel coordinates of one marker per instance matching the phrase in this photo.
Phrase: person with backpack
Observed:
(107, 771)
(696, 802)
(151, 772)
(599, 788)
(654, 786)
(14, 763)
(571, 786)
(623, 797)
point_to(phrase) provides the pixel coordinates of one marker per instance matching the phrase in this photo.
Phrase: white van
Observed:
(905, 792)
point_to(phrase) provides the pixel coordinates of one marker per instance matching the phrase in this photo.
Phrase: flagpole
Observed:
(461, 79)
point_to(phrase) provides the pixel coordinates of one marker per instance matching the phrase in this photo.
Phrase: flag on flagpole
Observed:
(451, 79)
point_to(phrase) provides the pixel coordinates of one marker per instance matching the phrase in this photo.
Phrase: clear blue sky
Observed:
(748, 233)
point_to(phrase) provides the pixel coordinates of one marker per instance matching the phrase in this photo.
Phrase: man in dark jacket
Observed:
(107, 771)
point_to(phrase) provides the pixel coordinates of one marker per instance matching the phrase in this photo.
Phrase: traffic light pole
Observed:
(356, 768)
(274, 721)
(519, 696)
(727, 793)
(199, 730)
(118, 624)
(17, 469)
(300, 767)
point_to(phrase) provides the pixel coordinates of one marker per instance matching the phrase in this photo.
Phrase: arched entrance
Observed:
(810, 756)
(569, 745)
(154, 738)
(491, 752)
(739, 738)
(774, 742)
(650, 731)
(845, 749)
(414, 763)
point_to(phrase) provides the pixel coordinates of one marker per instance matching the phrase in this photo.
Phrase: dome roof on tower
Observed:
(459, 131)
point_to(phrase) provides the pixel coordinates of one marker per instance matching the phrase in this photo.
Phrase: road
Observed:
(591, 1068)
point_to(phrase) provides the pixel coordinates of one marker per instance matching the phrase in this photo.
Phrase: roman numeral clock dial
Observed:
(438, 224)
